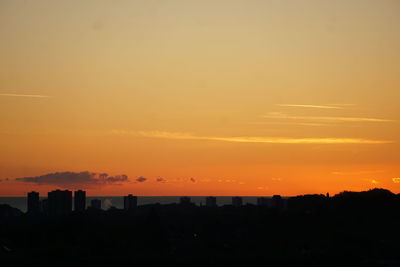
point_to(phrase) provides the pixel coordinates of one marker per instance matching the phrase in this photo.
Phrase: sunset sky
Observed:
(210, 97)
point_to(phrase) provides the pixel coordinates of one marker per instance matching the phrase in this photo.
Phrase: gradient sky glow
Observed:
(246, 97)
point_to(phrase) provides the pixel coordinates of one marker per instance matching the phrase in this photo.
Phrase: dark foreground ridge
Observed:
(348, 229)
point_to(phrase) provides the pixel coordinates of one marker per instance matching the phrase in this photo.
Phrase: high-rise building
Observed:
(80, 200)
(237, 201)
(33, 202)
(130, 202)
(211, 201)
(263, 201)
(59, 202)
(45, 206)
(277, 202)
(95, 204)
(185, 201)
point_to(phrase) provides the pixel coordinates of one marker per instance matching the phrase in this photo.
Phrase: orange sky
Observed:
(245, 97)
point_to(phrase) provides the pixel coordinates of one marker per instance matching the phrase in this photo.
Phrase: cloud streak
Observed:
(277, 115)
(291, 123)
(310, 106)
(23, 95)
(249, 139)
(356, 172)
(75, 179)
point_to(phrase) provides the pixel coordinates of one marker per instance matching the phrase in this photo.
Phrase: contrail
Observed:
(21, 95)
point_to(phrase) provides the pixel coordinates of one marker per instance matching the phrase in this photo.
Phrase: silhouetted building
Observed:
(211, 201)
(95, 204)
(33, 202)
(277, 202)
(44, 206)
(263, 201)
(130, 202)
(80, 200)
(184, 200)
(308, 203)
(60, 202)
(237, 201)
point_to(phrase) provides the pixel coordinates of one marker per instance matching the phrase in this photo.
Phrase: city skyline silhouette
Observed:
(199, 133)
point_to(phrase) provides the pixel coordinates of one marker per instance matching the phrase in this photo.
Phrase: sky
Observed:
(221, 97)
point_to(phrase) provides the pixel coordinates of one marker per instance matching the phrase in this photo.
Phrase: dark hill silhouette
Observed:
(373, 194)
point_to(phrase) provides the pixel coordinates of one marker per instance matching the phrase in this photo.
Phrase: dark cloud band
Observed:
(74, 179)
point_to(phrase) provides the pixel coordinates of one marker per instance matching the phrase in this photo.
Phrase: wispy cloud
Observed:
(291, 123)
(341, 105)
(180, 180)
(356, 172)
(311, 106)
(22, 95)
(250, 139)
(278, 115)
(396, 180)
(161, 180)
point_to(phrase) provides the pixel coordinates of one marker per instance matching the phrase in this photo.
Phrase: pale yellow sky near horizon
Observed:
(285, 97)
